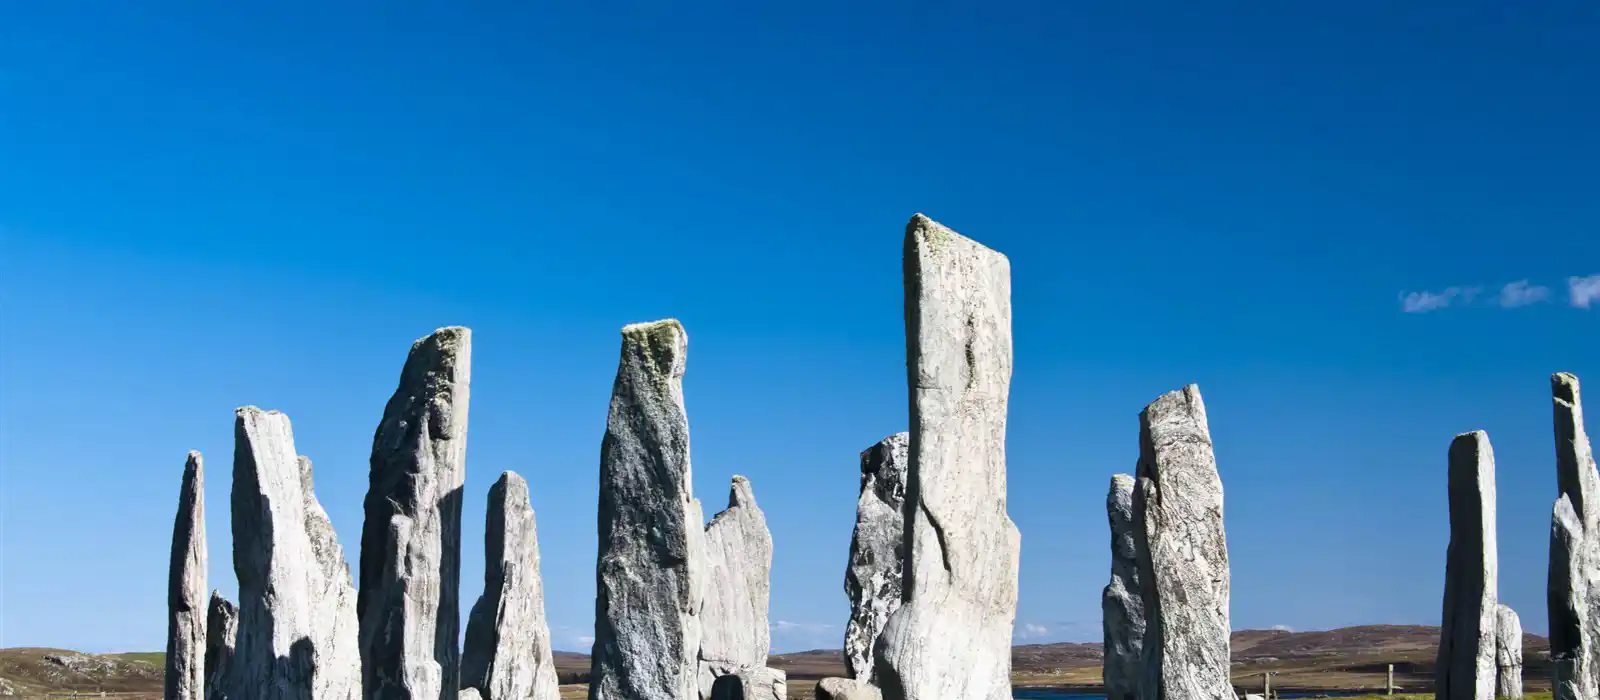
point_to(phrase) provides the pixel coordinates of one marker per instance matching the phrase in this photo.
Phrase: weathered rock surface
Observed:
(735, 636)
(846, 689)
(759, 683)
(1183, 569)
(411, 539)
(650, 577)
(507, 654)
(1122, 604)
(951, 637)
(1466, 661)
(877, 550)
(1574, 583)
(297, 629)
(1508, 653)
(186, 589)
(222, 632)
(470, 694)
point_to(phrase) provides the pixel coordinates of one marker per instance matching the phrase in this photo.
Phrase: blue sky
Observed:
(1311, 212)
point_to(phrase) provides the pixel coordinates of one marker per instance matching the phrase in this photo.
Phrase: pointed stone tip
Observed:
(1564, 387)
(740, 492)
(447, 335)
(193, 460)
(510, 478)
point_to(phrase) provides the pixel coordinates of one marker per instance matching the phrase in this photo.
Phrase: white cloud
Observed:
(1283, 628)
(1028, 630)
(585, 640)
(1521, 293)
(1584, 291)
(1421, 302)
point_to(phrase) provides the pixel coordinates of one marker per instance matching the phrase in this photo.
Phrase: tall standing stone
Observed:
(951, 637)
(1183, 568)
(222, 632)
(1508, 653)
(734, 632)
(297, 630)
(877, 551)
(186, 589)
(1466, 664)
(650, 574)
(408, 605)
(1574, 584)
(507, 654)
(1122, 604)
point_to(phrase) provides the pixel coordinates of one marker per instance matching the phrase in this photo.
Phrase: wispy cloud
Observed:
(1029, 630)
(1583, 291)
(1422, 302)
(1283, 628)
(808, 627)
(1521, 293)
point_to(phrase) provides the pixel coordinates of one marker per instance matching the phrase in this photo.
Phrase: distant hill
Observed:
(1350, 657)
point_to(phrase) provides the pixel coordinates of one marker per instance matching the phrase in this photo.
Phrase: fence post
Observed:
(1389, 684)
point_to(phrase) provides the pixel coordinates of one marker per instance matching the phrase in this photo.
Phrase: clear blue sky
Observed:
(206, 205)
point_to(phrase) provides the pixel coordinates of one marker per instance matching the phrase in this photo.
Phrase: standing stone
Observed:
(297, 630)
(408, 605)
(758, 683)
(1466, 664)
(1573, 589)
(1122, 604)
(734, 632)
(846, 689)
(951, 637)
(650, 574)
(1183, 567)
(338, 627)
(877, 551)
(222, 631)
(1508, 653)
(507, 654)
(186, 589)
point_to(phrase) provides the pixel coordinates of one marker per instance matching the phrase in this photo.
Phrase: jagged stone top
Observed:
(925, 234)
(662, 345)
(888, 484)
(1184, 404)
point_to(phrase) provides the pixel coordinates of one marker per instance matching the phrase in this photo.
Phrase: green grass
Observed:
(1429, 696)
(157, 659)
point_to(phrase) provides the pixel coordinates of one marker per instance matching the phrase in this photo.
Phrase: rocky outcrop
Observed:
(1121, 603)
(507, 654)
(734, 632)
(1183, 569)
(758, 683)
(1508, 653)
(222, 632)
(411, 539)
(186, 589)
(1466, 664)
(951, 637)
(877, 550)
(1574, 583)
(297, 629)
(846, 689)
(650, 577)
